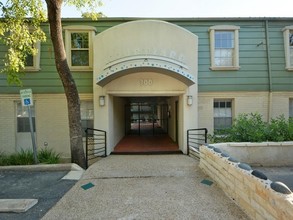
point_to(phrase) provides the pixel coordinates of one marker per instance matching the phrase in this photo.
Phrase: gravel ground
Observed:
(145, 187)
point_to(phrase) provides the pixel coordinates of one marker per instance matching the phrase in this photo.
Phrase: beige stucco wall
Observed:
(8, 124)
(51, 123)
(280, 104)
(243, 102)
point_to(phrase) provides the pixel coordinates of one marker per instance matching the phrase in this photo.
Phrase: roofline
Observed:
(185, 19)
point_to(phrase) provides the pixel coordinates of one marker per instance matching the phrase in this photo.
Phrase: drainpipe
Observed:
(270, 100)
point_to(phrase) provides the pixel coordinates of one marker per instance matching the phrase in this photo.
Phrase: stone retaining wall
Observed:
(258, 196)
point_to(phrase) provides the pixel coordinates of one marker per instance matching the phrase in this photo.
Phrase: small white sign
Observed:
(26, 96)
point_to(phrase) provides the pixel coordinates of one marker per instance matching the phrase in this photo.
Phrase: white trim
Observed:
(36, 60)
(286, 31)
(79, 29)
(224, 27)
(235, 65)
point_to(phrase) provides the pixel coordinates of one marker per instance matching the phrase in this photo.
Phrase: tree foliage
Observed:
(20, 30)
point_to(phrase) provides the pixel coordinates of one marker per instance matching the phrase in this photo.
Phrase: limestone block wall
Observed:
(258, 196)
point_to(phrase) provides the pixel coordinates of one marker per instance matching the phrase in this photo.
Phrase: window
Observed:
(288, 46)
(222, 114)
(22, 115)
(291, 108)
(224, 47)
(87, 115)
(79, 47)
(32, 62)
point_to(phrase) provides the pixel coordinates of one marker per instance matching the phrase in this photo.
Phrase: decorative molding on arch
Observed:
(126, 65)
(145, 46)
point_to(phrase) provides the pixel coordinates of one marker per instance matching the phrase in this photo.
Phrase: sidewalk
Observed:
(145, 187)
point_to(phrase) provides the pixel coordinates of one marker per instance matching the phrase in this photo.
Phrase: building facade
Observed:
(179, 73)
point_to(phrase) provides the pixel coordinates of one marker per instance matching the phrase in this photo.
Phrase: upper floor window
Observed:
(79, 47)
(288, 45)
(32, 62)
(224, 46)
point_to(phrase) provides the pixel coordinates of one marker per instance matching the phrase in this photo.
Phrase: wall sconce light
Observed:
(102, 100)
(189, 100)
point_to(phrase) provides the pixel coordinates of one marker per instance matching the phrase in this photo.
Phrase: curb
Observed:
(43, 167)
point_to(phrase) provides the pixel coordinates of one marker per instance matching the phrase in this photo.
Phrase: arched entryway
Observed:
(147, 127)
(145, 70)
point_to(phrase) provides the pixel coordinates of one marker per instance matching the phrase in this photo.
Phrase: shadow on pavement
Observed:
(47, 187)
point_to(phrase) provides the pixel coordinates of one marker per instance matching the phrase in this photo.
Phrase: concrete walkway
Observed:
(145, 187)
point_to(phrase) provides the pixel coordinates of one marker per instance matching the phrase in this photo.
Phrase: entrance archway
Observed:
(146, 116)
(147, 127)
(144, 60)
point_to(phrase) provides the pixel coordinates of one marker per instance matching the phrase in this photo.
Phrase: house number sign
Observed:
(146, 82)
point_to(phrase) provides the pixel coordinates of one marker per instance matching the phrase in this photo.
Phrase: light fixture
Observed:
(102, 100)
(189, 100)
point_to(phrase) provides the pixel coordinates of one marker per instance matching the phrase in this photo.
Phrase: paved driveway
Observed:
(145, 187)
(47, 187)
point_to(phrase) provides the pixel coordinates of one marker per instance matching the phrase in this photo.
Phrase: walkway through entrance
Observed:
(146, 127)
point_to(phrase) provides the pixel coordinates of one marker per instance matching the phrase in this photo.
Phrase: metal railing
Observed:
(96, 144)
(195, 138)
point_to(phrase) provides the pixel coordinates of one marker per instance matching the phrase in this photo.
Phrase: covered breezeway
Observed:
(147, 127)
(144, 78)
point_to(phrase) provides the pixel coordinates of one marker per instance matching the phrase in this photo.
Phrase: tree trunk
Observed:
(73, 102)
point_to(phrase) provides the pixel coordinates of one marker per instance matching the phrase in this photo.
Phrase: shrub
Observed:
(48, 156)
(252, 128)
(248, 127)
(3, 159)
(279, 129)
(26, 157)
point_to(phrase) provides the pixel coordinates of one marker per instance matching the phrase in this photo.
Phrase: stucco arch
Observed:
(145, 46)
(161, 54)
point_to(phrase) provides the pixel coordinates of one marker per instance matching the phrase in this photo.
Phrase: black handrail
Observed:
(196, 137)
(96, 144)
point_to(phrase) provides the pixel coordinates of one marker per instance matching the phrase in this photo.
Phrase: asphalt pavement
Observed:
(47, 187)
(280, 174)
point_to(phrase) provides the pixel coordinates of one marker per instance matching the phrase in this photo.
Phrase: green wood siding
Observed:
(252, 76)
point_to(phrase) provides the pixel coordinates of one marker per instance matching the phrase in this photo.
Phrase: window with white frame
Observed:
(224, 47)
(288, 46)
(291, 108)
(79, 47)
(32, 62)
(222, 114)
(22, 115)
(87, 115)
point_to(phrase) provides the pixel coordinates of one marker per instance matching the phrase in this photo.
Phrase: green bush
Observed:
(252, 128)
(26, 157)
(48, 156)
(3, 159)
